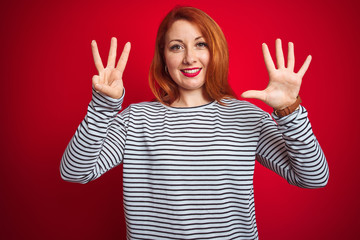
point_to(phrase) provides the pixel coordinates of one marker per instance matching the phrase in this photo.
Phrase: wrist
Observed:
(289, 109)
(101, 100)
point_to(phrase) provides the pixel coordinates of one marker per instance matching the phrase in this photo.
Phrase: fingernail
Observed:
(98, 86)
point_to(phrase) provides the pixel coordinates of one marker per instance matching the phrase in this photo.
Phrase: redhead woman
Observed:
(188, 158)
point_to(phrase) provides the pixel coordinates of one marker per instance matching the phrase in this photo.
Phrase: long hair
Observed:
(216, 78)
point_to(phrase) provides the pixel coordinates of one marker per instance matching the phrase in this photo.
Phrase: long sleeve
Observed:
(291, 150)
(98, 143)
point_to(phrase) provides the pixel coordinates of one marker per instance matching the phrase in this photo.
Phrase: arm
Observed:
(291, 150)
(98, 143)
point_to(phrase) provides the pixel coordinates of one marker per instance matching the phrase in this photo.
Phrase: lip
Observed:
(191, 74)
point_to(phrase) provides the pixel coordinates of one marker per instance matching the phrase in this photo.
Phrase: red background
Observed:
(46, 70)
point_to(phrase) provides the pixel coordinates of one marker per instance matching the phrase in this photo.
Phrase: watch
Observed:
(290, 109)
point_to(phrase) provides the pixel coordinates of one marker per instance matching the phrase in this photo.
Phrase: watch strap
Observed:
(288, 110)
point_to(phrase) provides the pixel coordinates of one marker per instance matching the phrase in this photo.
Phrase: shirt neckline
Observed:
(189, 109)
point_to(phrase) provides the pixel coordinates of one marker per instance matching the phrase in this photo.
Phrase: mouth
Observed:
(191, 72)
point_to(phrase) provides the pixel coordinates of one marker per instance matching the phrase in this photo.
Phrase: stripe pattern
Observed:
(188, 172)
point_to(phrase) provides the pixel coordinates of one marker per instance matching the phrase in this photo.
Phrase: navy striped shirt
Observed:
(188, 172)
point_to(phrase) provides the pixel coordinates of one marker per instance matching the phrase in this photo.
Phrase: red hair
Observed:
(216, 79)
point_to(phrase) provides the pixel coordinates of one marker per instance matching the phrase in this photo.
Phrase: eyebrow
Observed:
(179, 40)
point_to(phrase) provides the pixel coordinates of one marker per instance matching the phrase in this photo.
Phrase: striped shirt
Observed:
(188, 172)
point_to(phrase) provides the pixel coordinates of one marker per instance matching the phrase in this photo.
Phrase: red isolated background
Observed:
(46, 69)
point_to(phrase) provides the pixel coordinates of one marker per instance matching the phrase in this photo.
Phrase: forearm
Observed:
(300, 159)
(87, 156)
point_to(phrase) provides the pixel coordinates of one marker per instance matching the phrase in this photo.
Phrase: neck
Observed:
(191, 98)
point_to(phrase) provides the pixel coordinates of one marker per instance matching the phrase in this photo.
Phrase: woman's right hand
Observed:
(109, 81)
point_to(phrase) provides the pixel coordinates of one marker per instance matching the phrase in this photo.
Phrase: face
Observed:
(186, 55)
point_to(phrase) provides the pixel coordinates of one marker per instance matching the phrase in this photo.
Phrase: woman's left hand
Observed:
(284, 83)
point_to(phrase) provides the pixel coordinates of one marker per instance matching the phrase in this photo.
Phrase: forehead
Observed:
(182, 30)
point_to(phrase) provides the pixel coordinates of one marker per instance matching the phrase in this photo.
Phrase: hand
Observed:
(284, 83)
(109, 81)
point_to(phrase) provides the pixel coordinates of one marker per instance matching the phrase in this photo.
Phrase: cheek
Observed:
(205, 58)
(171, 61)
(171, 64)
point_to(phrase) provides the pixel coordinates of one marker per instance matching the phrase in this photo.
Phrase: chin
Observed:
(192, 86)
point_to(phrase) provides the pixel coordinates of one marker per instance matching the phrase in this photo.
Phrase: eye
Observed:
(175, 47)
(202, 44)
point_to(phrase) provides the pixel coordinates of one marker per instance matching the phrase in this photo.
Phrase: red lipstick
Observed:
(190, 72)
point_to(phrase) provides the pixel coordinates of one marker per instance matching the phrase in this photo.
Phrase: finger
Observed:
(108, 91)
(261, 95)
(305, 66)
(112, 53)
(291, 57)
(95, 80)
(124, 57)
(280, 62)
(97, 84)
(98, 63)
(104, 77)
(100, 88)
(267, 58)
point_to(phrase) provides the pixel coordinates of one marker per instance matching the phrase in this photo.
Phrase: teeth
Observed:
(192, 70)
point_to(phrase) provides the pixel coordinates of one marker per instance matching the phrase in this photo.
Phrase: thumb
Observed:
(261, 95)
(108, 91)
(102, 88)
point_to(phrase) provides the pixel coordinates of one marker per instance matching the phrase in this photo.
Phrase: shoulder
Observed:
(241, 107)
(147, 108)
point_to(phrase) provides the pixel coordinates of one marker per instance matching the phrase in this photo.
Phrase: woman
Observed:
(188, 158)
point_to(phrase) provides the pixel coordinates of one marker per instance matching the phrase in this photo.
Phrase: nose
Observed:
(189, 57)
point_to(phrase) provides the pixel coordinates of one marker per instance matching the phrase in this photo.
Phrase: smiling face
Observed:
(186, 55)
